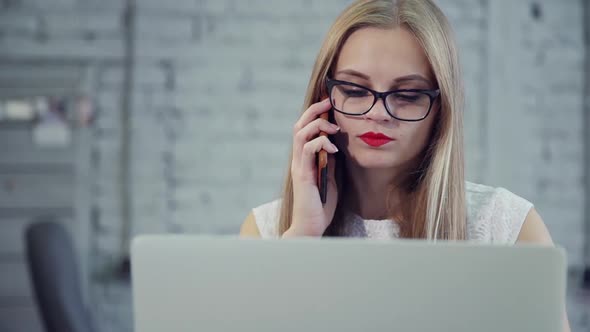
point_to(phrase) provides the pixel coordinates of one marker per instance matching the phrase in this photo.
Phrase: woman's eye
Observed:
(407, 97)
(356, 92)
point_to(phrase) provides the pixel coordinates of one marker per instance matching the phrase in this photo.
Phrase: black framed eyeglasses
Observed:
(403, 104)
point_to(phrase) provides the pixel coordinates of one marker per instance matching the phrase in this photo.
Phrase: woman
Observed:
(388, 74)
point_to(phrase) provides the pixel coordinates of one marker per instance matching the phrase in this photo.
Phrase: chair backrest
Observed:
(56, 279)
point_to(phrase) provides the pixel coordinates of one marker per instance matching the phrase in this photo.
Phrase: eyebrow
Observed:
(407, 78)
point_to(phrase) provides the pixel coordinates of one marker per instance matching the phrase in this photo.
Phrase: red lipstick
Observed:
(375, 139)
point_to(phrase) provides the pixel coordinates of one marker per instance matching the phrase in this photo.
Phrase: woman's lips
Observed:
(375, 139)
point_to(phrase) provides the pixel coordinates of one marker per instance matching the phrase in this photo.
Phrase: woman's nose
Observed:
(378, 112)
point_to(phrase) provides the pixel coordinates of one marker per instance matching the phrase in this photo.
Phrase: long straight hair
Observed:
(434, 202)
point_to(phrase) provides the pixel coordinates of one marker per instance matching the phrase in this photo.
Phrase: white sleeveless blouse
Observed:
(494, 215)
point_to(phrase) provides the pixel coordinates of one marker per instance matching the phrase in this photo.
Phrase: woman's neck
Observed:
(369, 192)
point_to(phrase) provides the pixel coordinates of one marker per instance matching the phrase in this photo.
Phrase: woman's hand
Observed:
(310, 216)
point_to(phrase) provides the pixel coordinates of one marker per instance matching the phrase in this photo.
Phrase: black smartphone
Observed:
(322, 164)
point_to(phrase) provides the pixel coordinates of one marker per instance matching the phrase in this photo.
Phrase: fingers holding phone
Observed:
(311, 145)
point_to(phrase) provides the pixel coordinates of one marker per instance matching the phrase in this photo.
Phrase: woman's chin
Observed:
(377, 161)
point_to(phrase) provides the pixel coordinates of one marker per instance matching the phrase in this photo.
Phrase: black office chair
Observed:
(55, 278)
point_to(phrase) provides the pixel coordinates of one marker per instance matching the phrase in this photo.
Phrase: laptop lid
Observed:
(221, 284)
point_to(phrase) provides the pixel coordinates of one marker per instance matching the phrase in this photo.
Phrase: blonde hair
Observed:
(434, 205)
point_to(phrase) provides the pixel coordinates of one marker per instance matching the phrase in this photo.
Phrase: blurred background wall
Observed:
(191, 107)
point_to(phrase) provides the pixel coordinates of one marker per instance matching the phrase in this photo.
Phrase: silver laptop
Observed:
(191, 283)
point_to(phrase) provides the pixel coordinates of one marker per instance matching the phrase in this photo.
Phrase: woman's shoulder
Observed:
(480, 195)
(494, 214)
(267, 218)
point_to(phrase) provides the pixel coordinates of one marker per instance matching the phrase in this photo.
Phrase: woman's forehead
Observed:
(383, 54)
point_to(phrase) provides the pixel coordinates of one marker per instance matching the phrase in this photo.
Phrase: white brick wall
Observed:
(223, 79)
(206, 68)
(535, 114)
